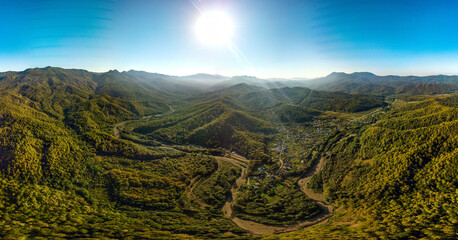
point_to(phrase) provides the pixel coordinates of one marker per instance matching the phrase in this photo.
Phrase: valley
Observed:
(130, 155)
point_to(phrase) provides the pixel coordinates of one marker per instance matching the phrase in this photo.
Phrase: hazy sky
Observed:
(271, 38)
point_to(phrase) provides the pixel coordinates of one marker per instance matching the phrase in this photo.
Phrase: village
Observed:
(292, 149)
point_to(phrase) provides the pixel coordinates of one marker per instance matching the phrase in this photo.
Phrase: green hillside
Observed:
(214, 124)
(255, 98)
(53, 122)
(294, 113)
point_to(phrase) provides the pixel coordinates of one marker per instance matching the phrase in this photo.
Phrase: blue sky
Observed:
(271, 38)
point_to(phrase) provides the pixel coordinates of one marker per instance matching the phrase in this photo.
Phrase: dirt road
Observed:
(263, 229)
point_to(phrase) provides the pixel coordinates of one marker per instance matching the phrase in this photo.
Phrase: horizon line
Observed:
(237, 75)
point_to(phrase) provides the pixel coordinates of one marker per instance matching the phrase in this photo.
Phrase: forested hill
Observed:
(365, 82)
(48, 116)
(259, 98)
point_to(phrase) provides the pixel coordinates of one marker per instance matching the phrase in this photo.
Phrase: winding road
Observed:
(263, 229)
(116, 130)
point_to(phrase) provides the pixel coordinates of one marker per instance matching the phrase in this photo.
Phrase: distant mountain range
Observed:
(358, 82)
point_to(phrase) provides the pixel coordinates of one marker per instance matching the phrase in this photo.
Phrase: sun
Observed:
(214, 28)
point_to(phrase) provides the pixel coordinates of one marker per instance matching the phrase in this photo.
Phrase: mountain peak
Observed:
(336, 74)
(364, 74)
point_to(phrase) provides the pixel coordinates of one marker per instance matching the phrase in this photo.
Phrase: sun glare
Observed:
(214, 28)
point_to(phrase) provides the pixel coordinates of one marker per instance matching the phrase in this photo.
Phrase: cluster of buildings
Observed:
(288, 148)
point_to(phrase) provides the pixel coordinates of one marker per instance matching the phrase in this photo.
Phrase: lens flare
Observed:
(214, 28)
